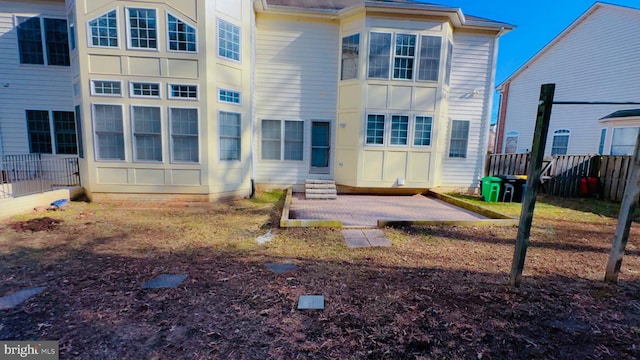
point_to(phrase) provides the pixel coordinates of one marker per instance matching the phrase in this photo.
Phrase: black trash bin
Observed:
(519, 182)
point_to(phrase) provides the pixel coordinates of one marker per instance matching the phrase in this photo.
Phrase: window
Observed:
(104, 30)
(109, 132)
(64, 127)
(183, 91)
(147, 140)
(623, 141)
(106, 88)
(422, 131)
(79, 132)
(72, 30)
(449, 61)
(39, 131)
(459, 139)
(229, 96)
(229, 135)
(379, 52)
(139, 89)
(30, 42)
(429, 65)
(404, 56)
(142, 29)
(228, 40)
(399, 130)
(274, 131)
(375, 130)
(184, 134)
(350, 57)
(511, 142)
(182, 36)
(560, 143)
(603, 138)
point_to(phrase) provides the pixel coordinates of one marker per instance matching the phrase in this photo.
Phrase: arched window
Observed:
(560, 144)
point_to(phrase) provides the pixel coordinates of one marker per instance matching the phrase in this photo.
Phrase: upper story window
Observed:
(429, 65)
(178, 91)
(228, 40)
(72, 30)
(229, 96)
(379, 55)
(142, 89)
(350, 57)
(104, 30)
(106, 88)
(37, 36)
(182, 36)
(447, 76)
(143, 32)
(404, 56)
(560, 145)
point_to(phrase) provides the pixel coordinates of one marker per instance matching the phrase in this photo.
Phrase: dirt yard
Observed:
(437, 293)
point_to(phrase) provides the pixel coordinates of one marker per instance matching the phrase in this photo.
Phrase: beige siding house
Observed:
(203, 99)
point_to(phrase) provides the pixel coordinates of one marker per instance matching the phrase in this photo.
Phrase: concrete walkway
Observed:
(366, 210)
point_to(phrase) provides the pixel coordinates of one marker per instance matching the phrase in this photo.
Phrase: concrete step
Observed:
(319, 186)
(321, 196)
(313, 181)
(321, 191)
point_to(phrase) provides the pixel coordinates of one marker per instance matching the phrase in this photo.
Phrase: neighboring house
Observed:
(591, 60)
(197, 99)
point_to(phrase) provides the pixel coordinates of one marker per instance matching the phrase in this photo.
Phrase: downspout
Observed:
(252, 106)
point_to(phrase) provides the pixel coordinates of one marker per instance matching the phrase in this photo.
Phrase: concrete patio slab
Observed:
(18, 297)
(165, 281)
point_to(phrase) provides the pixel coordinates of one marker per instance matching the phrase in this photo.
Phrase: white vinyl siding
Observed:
(297, 72)
(25, 83)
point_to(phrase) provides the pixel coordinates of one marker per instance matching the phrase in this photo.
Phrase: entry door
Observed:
(320, 146)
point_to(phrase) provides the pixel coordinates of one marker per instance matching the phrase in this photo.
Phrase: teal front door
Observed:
(320, 147)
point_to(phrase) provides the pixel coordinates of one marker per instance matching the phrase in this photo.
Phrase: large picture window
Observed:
(282, 140)
(229, 135)
(143, 33)
(147, 137)
(350, 57)
(109, 132)
(459, 139)
(31, 32)
(184, 134)
(104, 30)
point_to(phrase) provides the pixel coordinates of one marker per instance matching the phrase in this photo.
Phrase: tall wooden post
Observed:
(627, 209)
(533, 181)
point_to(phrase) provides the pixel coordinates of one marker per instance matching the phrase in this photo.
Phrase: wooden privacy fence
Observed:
(561, 174)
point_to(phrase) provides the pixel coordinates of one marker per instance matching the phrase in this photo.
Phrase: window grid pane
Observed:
(184, 91)
(104, 30)
(229, 136)
(229, 96)
(64, 126)
(459, 139)
(422, 131)
(293, 140)
(429, 65)
(39, 131)
(146, 133)
(399, 130)
(57, 39)
(184, 133)
(449, 61)
(379, 53)
(375, 129)
(271, 139)
(146, 89)
(107, 87)
(560, 144)
(228, 40)
(182, 37)
(350, 57)
(404, 55)
(109, 132)
(142, 23)
(603, 137)
(30, 41)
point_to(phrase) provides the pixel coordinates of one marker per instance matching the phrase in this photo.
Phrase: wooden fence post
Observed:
(533, 181)
(627, 209)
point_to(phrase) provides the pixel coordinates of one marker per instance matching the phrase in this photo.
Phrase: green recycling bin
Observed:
(491, 188)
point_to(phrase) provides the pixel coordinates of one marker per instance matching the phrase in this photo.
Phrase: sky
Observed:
(537, 23)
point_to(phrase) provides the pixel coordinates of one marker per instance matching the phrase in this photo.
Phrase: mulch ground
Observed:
(439, 292)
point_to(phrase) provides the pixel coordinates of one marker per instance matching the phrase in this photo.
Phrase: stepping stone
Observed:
(377, 237)
(165, 281)
(311, 302)
(18, 297)
(280, 268)
(355, 239)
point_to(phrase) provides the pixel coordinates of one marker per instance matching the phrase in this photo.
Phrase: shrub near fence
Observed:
(561, 175)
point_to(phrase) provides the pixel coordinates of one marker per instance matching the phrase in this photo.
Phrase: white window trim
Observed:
(416, 48)
(197, 51)
(567, 133)
(412, 126)
(133, 136)
(170, 92)
(93, 92)
(386, 129)
(282, 142)
(239, 61)
(389, 125)
(448, 149)
(118, 37)
(390, 54)
(239, 103)
(95, 138)
(128, 29)
(220, 134)
(171, 136)
(43, 38)
(131, 94)
(359, 70)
